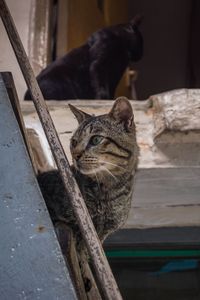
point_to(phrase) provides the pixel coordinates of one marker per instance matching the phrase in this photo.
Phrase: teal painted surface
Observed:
(31, 263)
(152, 253)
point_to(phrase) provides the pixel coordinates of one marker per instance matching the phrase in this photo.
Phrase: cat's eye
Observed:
(95, 140)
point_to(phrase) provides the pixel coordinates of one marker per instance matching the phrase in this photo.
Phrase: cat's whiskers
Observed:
(90, 171)
(97, 180)
(109, 163)
(109, 172)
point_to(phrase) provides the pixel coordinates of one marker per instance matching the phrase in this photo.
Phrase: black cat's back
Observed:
(66, 77)
(93, 70)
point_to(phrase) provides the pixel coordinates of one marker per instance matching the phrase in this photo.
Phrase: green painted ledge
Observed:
(152, 253)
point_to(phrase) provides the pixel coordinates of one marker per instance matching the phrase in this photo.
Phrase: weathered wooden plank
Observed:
(67, 242)
(165, 237)
(12, 93)
(165, 197)
(40, 28)
(104, 274)
(31, 263)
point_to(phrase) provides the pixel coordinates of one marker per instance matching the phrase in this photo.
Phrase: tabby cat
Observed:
(105, 153)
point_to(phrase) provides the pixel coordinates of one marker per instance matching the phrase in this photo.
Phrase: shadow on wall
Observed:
(171, 41)
(180, 154)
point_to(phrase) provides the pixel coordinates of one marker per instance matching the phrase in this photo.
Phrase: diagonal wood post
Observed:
(104, 274)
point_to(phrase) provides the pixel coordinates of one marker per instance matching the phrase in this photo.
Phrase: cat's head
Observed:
(105, 146)
(136, 39)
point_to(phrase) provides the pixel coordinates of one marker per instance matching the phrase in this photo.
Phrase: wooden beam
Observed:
(40, 29)
(12, 93)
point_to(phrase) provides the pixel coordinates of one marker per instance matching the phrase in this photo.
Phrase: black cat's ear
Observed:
(137, 20)
(79, 114)
(122, 112)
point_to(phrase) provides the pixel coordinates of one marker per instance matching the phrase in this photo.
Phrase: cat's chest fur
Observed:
(109, 203)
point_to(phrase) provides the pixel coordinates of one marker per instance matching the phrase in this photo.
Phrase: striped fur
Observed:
(105, 154)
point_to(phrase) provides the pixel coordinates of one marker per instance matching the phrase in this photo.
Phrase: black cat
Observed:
(93, 70)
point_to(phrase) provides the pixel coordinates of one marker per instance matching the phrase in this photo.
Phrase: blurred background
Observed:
(50, 28)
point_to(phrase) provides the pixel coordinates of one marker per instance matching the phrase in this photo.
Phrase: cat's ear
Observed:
(79, 114)
(122, 112)
(136, 21)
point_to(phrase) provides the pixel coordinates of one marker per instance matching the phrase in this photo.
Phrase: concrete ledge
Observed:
(167, 135)
(177, 111)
